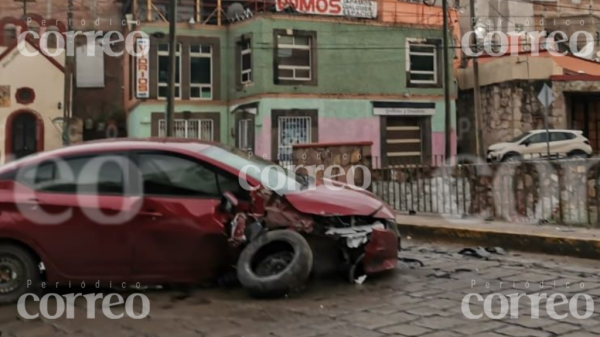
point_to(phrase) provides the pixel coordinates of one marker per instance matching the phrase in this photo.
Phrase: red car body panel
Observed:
(381, 252)
(170, 238)
(324, 201)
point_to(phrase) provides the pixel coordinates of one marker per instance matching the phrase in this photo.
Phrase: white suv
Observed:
(532, 144)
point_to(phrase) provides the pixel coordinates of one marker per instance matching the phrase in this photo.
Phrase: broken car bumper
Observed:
(381, 252)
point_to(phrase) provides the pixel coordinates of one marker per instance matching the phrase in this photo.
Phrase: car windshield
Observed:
(520, 138)
(270, 175)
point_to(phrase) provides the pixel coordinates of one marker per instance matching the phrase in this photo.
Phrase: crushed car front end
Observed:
(351, 239)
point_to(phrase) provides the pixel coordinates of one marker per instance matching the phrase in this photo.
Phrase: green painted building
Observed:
(274, 80)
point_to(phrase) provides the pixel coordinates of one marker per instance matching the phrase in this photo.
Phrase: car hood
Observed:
(322, 200)
(499, 146)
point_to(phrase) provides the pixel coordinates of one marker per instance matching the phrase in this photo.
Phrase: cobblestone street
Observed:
(424, 301)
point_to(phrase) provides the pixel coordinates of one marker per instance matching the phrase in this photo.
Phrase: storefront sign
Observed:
(403, 111)
(350, 8)
(142, 83)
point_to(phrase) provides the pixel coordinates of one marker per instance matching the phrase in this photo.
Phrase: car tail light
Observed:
(587, 142)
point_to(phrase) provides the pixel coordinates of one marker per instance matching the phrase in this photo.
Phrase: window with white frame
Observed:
(422, 60)
(246, 61)
(201, 72)
(163, 71)
(202, 129)
(294, 58)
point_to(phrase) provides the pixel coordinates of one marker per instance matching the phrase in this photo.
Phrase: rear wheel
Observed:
(19, 273)
(511, 158)
(577, 154)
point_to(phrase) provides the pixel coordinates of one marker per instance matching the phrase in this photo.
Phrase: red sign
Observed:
(350, 8)
(143, 69)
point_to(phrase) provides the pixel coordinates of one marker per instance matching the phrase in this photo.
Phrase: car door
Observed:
(70, 204)
(535, 146)
(560, 143)
(176, 235)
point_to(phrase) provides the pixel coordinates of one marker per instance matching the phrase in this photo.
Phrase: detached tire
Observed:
(17, 267)
(275, 263)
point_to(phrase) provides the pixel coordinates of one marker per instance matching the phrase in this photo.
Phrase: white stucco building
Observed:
(31, 101)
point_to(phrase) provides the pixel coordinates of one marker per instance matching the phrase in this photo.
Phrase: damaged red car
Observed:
(143, 212)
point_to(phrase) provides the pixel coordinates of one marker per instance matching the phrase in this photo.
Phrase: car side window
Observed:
(538, 138)
(558, 136)
(169, 175)
(108, 178)
(568, 135)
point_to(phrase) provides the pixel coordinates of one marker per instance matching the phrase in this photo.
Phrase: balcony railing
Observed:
(207, 12)
(222, 12)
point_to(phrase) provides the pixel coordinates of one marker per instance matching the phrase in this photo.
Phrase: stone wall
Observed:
(508, 110)
(511, 108)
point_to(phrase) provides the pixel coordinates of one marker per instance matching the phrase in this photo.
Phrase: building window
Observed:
(202, 129)
(10, 34)
(201, 72)
(294, 58)
(246, 61)
(163, 71)
(25, 96)
(422, 63)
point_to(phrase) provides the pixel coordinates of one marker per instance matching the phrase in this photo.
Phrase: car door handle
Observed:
(34, 203)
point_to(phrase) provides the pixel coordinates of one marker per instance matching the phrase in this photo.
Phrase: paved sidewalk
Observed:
(549, 238)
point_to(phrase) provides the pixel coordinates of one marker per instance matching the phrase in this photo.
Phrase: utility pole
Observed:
(25, 9)
(68, 74)
(446, 67)
(476, 92)
(172, 58)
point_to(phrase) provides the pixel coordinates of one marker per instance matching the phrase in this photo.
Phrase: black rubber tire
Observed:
(293, 276)
(27, 269)
(577, 154)
(512, 158)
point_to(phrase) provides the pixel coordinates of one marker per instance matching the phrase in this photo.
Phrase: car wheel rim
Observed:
(274, 264)
(9, 274)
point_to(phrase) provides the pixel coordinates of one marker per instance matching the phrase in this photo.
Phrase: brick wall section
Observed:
(103, 105)
(344, 155)
(89, 10)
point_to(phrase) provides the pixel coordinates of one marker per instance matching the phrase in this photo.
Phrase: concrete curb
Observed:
(564, 244)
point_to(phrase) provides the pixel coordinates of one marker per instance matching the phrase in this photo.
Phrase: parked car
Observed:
(533, 144)
(183, 218)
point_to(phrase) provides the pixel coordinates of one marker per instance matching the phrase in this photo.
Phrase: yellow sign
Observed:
(4, 96)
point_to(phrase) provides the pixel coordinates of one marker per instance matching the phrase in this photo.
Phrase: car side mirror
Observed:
(228, 202)
(526, 143)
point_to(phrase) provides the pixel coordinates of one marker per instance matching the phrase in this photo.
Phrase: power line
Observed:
(555, 5)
